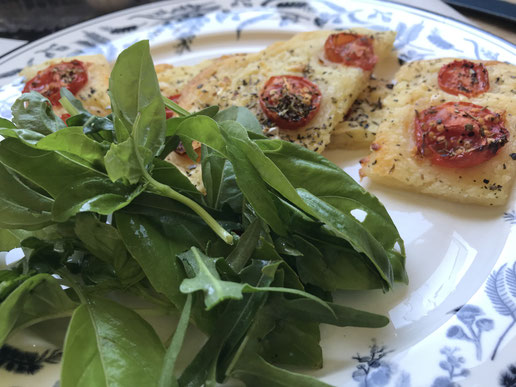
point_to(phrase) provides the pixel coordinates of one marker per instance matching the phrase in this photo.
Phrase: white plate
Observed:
(457, 255)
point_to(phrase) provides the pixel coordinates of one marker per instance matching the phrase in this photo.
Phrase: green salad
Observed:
(252, 262)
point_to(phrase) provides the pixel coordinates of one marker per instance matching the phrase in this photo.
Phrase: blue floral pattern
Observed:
(454, 367)
(501, 290)
(469, 315)
(508, 376)
(374, 371)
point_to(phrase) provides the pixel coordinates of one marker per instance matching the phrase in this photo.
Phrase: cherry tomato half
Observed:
(351, 49)
(48, 82)
(463, 77)
(290, 101)
(173, 98)
(65, 116)
(459, 134)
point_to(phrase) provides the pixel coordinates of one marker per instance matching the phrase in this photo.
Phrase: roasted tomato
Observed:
(65, 116)
(290, 101)
(459, 134)
(351, 49)
(48, 82)
(463, 77)
(174, 98)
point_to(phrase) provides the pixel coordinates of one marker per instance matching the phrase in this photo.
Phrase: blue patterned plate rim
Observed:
(429, 14)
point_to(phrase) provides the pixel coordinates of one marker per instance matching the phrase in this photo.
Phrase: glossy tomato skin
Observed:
(463, 77)
(169, 113)
(290, 101)
(351, 50)
(459, 134)
(48, 82)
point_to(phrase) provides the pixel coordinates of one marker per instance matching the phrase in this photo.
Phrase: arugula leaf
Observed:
(231, 328)
(100, 350)
(207, 279)
(82, 117)
(34, 112)
(37, 299)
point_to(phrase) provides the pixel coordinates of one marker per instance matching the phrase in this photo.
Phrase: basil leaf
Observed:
(155, 253)
(241, 115)
(168, 174)
(108, 344)
(219, 180)
(122, 162)
(133, 85)
(313, 172)
(36, 165)
(73, 140)
(349, 229)
(38, 298)
(34, 112)
(256, 372)
(95, 194)
(8, 240)
(138, 106)
(20, 206)
(332, 267)
(103, 241)
(304, 309)
(245, 247)
(294, 343)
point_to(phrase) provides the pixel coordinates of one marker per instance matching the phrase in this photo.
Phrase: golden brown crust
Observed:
(394, 161)
(239, 80)
(94, 94)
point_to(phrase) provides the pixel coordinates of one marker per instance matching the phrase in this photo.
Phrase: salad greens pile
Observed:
(252, 262)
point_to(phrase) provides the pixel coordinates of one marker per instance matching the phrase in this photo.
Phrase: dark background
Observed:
(33, 19)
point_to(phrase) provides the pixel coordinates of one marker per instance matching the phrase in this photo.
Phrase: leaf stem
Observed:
(501, 338)
(65, 275)
(165, 190)
(167, 378)
(72, 110)
(175, 107)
